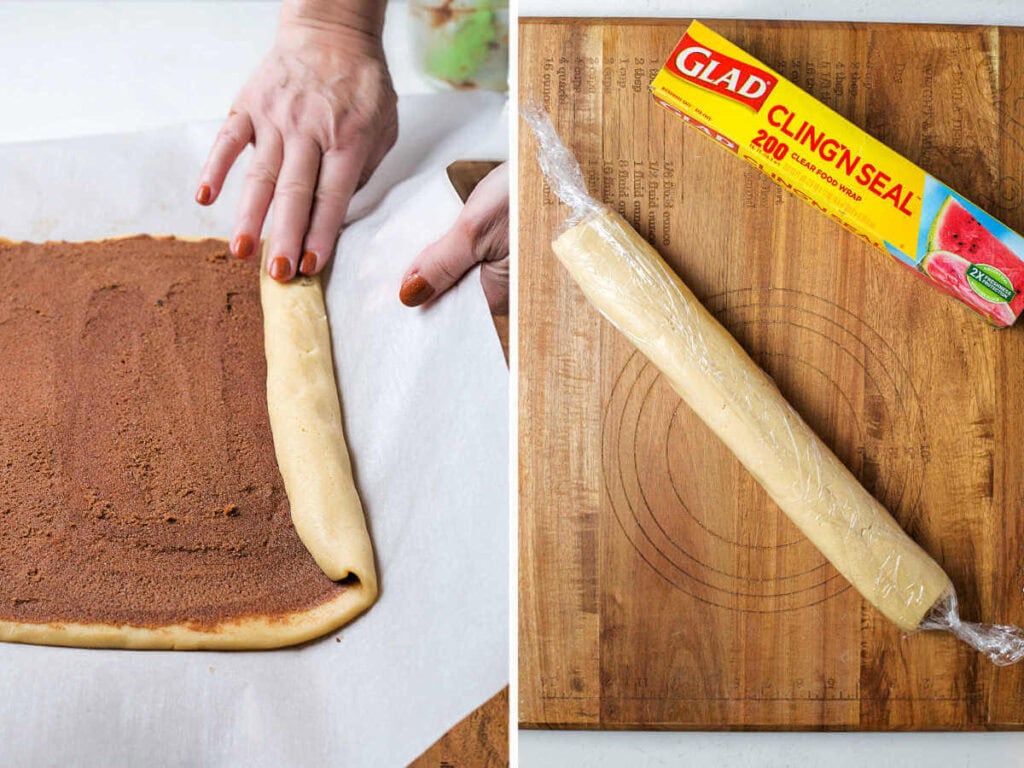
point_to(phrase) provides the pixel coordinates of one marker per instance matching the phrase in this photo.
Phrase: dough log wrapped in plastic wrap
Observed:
(633, 287)
(630, 284)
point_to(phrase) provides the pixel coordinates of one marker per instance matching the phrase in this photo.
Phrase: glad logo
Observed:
(720, 73)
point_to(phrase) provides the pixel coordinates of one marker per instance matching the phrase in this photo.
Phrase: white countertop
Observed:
(563, 749)
(100, 67)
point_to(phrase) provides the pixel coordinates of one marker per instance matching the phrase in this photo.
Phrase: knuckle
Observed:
(295, 188)
(230, 135)
(451, 263)
(330, 197)
(261, 172)
(363, 125)
(485, 232)
(469, 229)
(448, 269)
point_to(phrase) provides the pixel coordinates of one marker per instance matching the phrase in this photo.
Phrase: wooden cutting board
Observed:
(659, 586)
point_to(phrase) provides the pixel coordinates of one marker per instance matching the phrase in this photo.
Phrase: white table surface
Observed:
(79, 68)
(565, 749)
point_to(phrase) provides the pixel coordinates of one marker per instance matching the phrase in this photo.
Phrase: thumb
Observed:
(480, 234)
(439, 266)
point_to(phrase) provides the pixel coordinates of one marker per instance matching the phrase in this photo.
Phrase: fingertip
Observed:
(280, 269)
(415, 290)
(243, 246)
(204, 195)
(308, 265)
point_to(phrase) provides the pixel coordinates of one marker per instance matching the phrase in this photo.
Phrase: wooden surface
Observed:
(660, 587)
(479, 741)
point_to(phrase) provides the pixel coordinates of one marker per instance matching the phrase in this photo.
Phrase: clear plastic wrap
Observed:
(1002, 643)
(633, 287)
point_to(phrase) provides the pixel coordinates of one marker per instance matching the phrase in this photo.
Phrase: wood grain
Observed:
(659, 586)
(478, 741)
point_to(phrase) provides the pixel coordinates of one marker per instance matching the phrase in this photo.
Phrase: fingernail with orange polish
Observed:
(308, 265)
(415, 290)
(203, 194)
(242, 247)
(279, 268)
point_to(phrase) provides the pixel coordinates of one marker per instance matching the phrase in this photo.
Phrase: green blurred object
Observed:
(462, 44)
(470, 45)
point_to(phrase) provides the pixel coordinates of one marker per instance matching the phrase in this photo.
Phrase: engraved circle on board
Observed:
(691, 510)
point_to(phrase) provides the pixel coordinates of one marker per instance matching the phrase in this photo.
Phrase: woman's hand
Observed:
(322, 113)
(479, 235)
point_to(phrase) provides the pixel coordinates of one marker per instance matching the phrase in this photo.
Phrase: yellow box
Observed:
(824, 159)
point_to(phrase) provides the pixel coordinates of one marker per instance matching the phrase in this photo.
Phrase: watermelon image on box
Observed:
(973, 265)
(953, 274)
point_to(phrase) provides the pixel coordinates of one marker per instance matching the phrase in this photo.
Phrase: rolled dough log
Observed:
(631, 285)
(305, 418)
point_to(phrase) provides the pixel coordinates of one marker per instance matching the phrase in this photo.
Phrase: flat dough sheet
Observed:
(304, 414)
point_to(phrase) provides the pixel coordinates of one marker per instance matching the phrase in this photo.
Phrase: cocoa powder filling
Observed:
(138, 483)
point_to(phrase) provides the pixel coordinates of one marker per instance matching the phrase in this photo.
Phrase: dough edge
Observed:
(247, 633)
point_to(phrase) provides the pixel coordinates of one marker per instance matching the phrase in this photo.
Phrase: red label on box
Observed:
(722, 74)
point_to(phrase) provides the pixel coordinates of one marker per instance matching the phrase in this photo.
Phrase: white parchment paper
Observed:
(424, 395)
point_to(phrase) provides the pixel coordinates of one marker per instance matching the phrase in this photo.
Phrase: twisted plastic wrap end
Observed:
(1002, 643)
(558, 164)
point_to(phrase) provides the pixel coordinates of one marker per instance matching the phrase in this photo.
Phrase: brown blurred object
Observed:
(466, 174)
(479, 741)
(501, 326)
